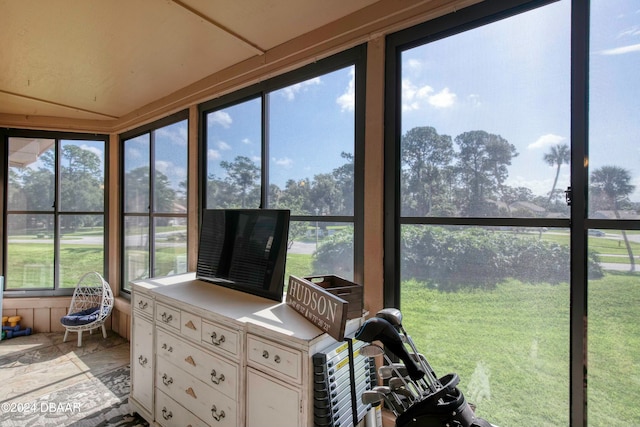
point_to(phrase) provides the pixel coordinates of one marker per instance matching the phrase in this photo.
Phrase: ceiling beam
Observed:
(257, 49)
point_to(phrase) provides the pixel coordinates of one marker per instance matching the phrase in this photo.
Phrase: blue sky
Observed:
(510, 78)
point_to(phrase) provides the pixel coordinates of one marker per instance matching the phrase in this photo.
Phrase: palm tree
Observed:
(614, 183)
(558, 156)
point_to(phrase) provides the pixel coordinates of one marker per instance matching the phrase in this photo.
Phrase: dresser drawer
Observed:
(171, 414)
(209, 405)
(274, 358)
(168, 316)
(212, 370)
(220, 339)
(143, 304)
(190, 326)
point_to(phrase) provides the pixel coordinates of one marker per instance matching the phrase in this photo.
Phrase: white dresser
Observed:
(205, 355)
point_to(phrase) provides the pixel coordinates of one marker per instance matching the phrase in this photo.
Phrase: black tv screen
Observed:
(244, 249)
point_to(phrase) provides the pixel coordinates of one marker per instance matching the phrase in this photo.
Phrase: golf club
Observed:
(379, 329)
(394, 316)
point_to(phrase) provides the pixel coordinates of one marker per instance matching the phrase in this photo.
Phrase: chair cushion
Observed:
(83, 317)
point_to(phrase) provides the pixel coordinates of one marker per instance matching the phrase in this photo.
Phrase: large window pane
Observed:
(81, 247)
(485, 135)
(136, 249)
(170, 246)
(49, 178)
(485, 127)
(82, 176)
(614, 102)
(136, 174)
(614, 332)
(31, 174)
(614, 193)
(492, 305)
(30, 251)
(311, 145)
(155, 182)
(234, 152)
(170, 178)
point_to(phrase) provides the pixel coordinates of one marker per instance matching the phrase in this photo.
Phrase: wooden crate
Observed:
(343, 288)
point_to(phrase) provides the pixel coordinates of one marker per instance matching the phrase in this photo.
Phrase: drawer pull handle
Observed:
(168, 348)
(265, 354)
(214, 379)
(213, 339)
(190, 325)
(142, 360)
(167, 415)
(166, 318)
(215, 415)
(167, 380)
(191, 393)
(276, 359)
(190, 361)
(142, 304)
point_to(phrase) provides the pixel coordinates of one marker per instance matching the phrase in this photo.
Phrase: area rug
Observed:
(101, 401)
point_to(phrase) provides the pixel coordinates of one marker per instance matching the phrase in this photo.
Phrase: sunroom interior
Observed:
(476, 156)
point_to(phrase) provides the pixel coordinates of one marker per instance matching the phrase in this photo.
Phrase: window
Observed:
(614, 199)
(495, 269)
(155, 200)
(55, 210)
(293, 143)
(482, 258)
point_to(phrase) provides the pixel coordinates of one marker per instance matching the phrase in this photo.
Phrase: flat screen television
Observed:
(244, 249)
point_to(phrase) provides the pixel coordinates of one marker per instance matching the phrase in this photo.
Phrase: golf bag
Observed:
(419, 398)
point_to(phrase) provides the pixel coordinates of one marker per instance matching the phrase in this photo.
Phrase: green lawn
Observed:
(510, 347)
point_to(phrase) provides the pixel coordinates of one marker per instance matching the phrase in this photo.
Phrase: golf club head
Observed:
(379, 329)
(371, 350)
(371, 397)
(391, 315)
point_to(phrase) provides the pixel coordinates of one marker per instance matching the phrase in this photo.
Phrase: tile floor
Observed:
(40, 365)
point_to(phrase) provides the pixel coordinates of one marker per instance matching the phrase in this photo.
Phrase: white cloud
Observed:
(545, 141)
(413, 97)
(291, 91)
(347, 101)
(621, 50)
(246, 141)
(443, 99)
(631, 32)
(221, 118)
(213, 154)
(283, 162)
(223, 146)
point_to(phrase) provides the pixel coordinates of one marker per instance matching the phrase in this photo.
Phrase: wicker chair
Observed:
(91, 304)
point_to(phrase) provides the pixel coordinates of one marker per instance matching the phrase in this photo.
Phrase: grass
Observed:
(510, 347)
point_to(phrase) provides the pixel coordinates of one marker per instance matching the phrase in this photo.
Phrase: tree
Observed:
(243, 176)
(614, 183)
(344, 177)
(558, 156)
(482, 164)
(424, 155)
